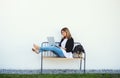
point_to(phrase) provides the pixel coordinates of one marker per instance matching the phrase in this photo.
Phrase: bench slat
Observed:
(56, 58)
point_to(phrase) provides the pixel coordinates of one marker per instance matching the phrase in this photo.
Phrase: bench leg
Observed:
(80, 63)
(84, 63)
(41, 63)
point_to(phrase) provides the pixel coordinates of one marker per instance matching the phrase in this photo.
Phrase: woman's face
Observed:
(64, 34)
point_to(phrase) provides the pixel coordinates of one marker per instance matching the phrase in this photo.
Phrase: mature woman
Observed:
(65, 46)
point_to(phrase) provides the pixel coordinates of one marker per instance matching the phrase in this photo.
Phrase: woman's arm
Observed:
(69, 45)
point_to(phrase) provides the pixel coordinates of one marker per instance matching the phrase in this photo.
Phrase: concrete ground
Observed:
(104, 71)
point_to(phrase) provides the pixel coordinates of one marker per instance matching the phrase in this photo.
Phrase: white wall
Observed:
(94, 23)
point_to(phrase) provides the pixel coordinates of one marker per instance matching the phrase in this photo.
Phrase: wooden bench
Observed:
(52, 56)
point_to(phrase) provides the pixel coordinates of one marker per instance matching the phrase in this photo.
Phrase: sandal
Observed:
(35, 50)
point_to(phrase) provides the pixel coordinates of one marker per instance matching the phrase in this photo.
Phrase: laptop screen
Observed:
(51, 41)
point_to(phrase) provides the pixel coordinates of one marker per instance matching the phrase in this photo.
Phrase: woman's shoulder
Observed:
(71, 39)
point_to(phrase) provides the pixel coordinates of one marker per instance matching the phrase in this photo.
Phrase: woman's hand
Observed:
(63, 48)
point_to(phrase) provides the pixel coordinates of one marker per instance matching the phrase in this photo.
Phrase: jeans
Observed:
(54, 49)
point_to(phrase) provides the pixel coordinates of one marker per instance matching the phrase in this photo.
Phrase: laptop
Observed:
(51, 41)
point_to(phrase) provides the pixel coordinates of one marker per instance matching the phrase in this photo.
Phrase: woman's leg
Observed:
(54, 49)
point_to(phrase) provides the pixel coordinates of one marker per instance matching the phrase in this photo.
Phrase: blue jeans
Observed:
(54, 49)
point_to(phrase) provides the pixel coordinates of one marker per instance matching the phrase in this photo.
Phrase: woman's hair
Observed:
(65, 29)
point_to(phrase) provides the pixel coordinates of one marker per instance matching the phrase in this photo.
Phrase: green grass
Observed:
(60, 76)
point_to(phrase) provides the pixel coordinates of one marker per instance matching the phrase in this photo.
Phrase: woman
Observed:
(65, 46)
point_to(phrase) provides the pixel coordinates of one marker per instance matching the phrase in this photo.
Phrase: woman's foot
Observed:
(34, 50)
(36, 46)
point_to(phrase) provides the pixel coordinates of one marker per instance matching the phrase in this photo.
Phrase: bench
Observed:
(52, 56)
